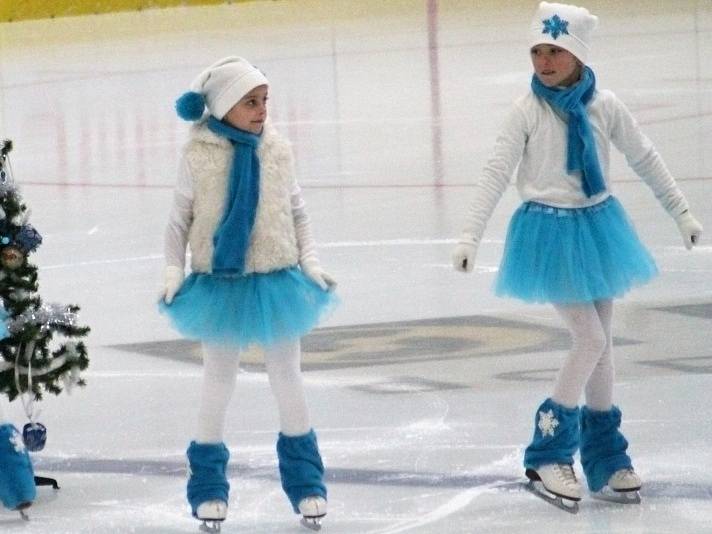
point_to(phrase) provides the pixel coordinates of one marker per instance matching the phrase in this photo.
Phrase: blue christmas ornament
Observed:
(4, 332)
(34, 435)
(28, 239)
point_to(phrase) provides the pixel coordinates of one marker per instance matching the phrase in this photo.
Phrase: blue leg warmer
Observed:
(556, 436)
(602, 446)
(300, 467)
(17, 480)
(207, 467)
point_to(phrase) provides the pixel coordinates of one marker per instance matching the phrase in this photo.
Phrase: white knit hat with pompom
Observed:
(219, 88)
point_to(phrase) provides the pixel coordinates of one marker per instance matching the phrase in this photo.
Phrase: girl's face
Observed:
(250, 112)
(555, 66)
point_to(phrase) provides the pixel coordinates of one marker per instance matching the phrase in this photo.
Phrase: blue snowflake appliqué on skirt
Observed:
(257, 308)
(572, 255)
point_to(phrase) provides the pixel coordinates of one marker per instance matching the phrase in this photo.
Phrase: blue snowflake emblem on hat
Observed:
(555, 26)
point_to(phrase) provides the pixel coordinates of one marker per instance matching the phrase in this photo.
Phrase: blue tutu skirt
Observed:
(569, 256)
(258, 308)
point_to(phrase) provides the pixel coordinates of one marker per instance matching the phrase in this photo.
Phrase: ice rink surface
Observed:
(423, 384)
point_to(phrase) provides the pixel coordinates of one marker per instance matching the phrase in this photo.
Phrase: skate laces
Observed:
(624, 475)
(565, 473)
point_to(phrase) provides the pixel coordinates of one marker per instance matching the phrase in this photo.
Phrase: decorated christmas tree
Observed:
(39, 350)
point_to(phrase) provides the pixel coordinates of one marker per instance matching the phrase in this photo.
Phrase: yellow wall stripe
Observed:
(12, 10)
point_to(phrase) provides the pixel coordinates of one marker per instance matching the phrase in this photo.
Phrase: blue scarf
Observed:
(232, 238)
(581, 152)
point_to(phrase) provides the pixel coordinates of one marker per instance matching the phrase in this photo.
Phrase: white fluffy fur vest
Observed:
(273, 243)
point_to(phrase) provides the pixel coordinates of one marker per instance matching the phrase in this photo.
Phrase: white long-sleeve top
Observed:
(534, 137)
(207, 159)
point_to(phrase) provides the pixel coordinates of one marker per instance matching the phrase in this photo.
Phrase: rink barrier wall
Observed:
(14, 10)
(25, 38)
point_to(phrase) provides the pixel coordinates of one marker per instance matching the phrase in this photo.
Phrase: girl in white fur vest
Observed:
(255, 279)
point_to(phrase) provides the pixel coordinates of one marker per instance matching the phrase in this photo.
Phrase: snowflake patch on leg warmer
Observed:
(556, 436)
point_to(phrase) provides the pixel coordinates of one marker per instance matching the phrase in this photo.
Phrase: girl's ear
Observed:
(579, 68)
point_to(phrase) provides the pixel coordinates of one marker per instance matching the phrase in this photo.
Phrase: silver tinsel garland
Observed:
(45, 317)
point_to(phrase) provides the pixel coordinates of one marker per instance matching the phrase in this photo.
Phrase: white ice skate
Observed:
(556, 484)
(212, 514)
(313, 509)
(622, 488)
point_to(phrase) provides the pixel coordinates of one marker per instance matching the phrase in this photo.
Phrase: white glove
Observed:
(318, 275)
(690, 229)
(173, 280)
(463, 257)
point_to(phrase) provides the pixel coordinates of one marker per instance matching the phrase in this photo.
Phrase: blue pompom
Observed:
(190, 106)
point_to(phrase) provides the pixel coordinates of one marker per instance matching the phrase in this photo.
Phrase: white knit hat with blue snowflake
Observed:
(563, 25)
(219, 88)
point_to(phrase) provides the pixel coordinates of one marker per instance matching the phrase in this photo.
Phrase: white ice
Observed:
(422, 385)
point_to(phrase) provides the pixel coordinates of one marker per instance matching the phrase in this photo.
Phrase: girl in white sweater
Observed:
(571, 244)
(255, 278)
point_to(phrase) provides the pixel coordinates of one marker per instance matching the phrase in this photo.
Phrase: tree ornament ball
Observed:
(34, 435)
(12, 257)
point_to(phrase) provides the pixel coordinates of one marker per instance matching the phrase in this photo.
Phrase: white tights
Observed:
(220, 366)
(589, 365)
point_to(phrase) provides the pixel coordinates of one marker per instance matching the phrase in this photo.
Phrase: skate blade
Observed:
(312, 523)
(21, 509)
(211, 525)
(618, 497)
(538, 489)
